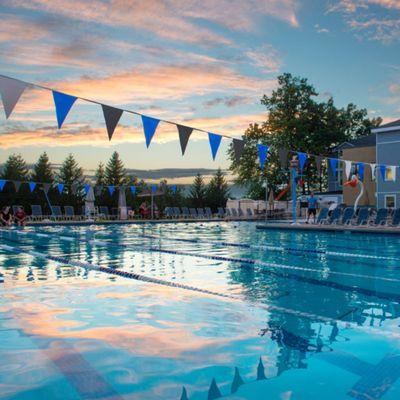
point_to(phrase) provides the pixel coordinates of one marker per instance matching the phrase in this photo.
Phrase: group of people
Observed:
(145, 211)
(7, 218)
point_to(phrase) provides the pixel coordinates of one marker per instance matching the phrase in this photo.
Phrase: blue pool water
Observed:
(198, 311)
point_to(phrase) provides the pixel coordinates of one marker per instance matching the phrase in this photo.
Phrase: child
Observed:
(6, 216)
(20, 217)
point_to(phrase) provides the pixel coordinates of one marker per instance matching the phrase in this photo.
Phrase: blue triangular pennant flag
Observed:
(2, 184)
(213, 391)
(87, 188)
(133, 190)
(237, 381)
(153, 189)
(260, 371)
(382, 169)
(361, 171)
(302, 160)
(262, 154)
(111, 189)
(32, 186)
(149, 127)
(333, 163)
(215, 141)
(173, 188)
(60, 187)
(63, 103)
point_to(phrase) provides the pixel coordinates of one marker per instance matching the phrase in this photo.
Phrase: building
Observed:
(388, 153)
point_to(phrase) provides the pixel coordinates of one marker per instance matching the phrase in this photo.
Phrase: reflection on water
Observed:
(67, 332)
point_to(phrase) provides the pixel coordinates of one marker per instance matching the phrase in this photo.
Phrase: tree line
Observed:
(113, 173)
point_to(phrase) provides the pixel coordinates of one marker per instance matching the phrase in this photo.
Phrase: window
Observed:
(390, 201)
(389, 174)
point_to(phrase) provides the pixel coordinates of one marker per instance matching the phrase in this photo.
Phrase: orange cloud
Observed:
(81, 134)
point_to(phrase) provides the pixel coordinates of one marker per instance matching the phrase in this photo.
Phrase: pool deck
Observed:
(330, 228)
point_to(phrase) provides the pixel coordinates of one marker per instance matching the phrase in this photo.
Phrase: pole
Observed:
(293, 175)
(266, 198)
(48, 201)
(152, 204)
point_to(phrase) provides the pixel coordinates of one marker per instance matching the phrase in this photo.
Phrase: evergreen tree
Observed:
(217, 191)
(100, 175)
(197, 194)
(115, 173)
(15, 168)
(42, 170)
(70, 172)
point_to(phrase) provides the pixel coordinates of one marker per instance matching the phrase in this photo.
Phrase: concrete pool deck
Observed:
(329, 228)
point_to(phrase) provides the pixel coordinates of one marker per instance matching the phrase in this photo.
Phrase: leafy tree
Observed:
(115, 173)
(42, 171)
(100, 175)
(296, 121)
(217, 191)
(197, 194)
(15, 168)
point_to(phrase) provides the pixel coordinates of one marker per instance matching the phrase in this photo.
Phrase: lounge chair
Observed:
(177, 212)
(185, 212)
(228, 212)
(395, 217)
(37, 214)
(240, 212)
(249, 213)
(234, 212)
(69, 212)
(362, 218)
(208, 212)
(381, 217)
(335, 216)
(193, 212)
(348, 215)
(103, 212)
(200, 213)
(168, 212)
(56, 213)
(221, 212)
(322, 215)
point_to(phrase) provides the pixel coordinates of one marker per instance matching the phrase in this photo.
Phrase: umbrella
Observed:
(89, 202)
(123, 212)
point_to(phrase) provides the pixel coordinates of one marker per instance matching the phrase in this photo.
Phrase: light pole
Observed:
(294, 164)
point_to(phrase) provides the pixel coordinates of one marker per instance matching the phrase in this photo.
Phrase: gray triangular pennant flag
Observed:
(111, 116)
(74, 188)
(46, 187)
(237, 381)
(318, 163)
(283, 155)
(10, 90)
(184, 135)
(17, 185)
(238, 148)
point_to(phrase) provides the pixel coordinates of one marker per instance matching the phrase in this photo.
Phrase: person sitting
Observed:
(20, 217)
(143, 210)
(6, 218)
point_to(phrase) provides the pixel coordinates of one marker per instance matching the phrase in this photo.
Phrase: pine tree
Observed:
(42, 170)
(15, 168)
(115, 173)
(197, 193)
(100, 175)
(217, 191)
(70, 172)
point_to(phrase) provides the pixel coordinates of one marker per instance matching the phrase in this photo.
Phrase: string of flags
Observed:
(11, 90)
(85, 188)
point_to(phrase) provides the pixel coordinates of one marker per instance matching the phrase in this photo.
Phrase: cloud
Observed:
(266, 58)
(232, 101)
(171, 19)
(377, 20)
(78, 134)
(319, 29)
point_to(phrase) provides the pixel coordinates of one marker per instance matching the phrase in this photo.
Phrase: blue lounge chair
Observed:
(221, 212)
(56, 213)
(168, 212)
(208, 212)
(249, 213)
(228, 212)
(193, 212)
(234, 212)
(322, 215)
(185, 212)
(200, 213)
(69, 212)
(395, 217)
(335, 216)
(104, 213)
(240, 212)
(381, 217)
(36, 212)
(348, 215)
(363, 215)
(177, 212)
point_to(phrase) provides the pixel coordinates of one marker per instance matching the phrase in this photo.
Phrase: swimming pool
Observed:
(198, 311)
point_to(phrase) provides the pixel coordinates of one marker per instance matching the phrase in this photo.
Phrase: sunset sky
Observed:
(202, 63)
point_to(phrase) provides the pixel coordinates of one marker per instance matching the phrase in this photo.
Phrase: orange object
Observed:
(352, 183)
(283, 192)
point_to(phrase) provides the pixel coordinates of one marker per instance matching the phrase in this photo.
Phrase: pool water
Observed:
(198, 311)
